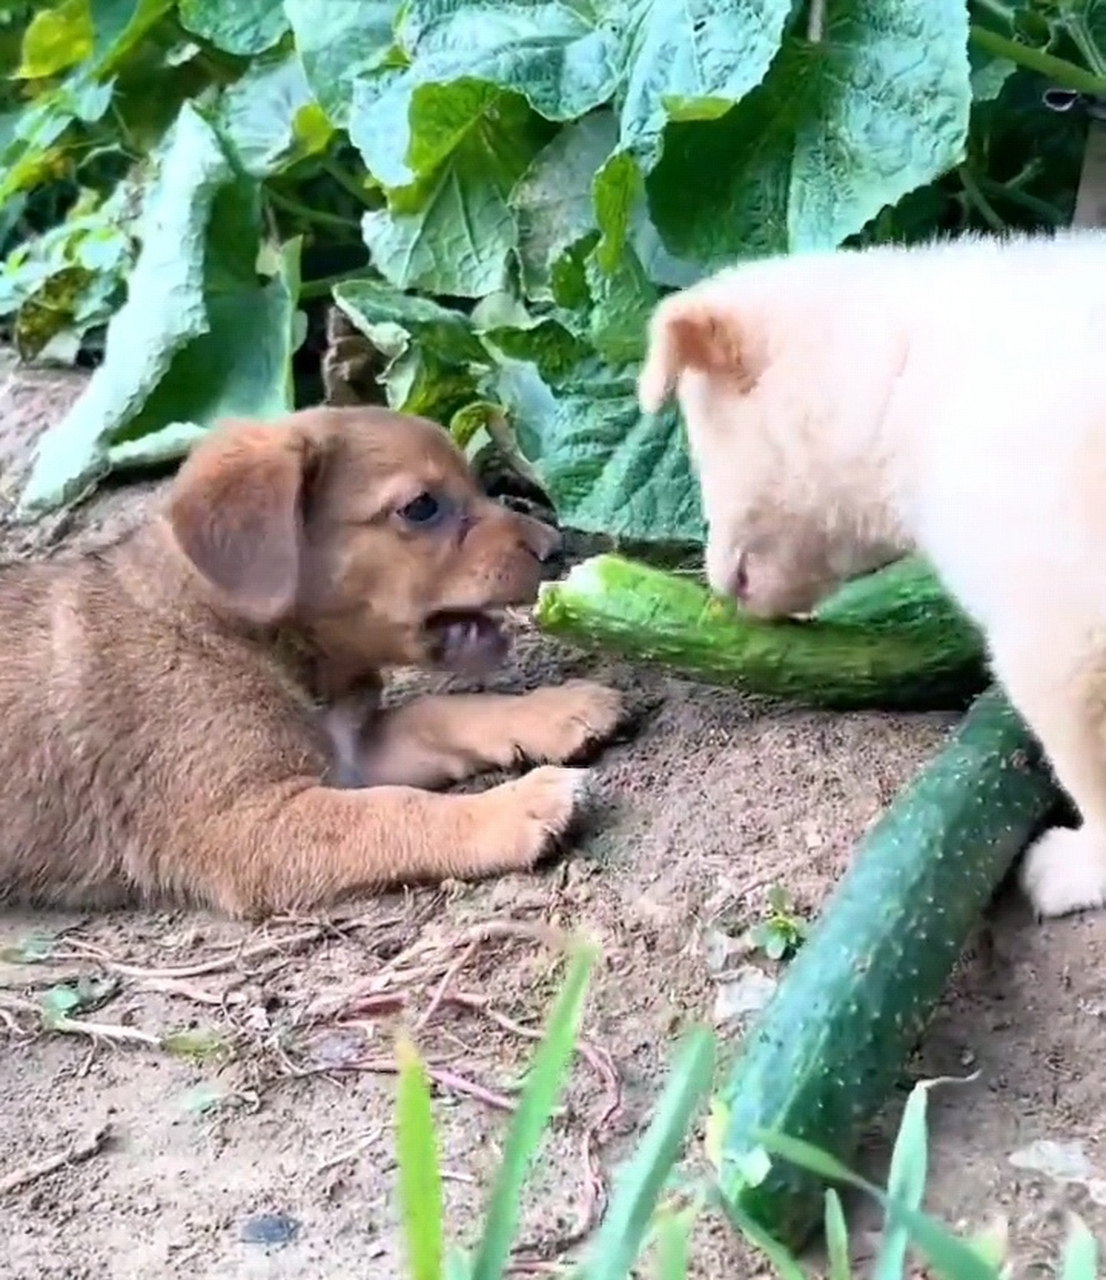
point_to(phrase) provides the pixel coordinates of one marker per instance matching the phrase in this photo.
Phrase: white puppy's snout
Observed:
(727, 571)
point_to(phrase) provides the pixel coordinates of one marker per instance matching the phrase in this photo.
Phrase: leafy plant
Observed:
(781, 933)
(653, 1213)
(495, 195)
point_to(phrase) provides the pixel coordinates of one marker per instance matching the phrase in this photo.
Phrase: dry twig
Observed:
(87, 1147)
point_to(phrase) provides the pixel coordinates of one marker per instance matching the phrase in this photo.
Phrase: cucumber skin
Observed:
(829, 1047)
(892, 640)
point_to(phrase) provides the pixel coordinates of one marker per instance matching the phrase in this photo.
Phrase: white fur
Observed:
(843, 408)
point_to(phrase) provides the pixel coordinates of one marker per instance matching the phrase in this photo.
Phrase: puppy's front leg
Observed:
(1060, 691)
(435, 740)
(299, 845)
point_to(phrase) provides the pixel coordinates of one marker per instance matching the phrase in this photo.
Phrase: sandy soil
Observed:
(275, 1159)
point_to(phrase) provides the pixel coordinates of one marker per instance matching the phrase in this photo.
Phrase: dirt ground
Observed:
(275, 1160)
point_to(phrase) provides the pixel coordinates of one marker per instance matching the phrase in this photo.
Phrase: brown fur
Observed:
(175, 709)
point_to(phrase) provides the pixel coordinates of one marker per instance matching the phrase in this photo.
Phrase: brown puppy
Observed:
(173, 710)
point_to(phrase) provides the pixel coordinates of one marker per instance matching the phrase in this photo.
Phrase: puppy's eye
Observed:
(425, 509)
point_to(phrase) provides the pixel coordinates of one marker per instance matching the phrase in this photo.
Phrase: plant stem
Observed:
(1008, 191)
(996, 8)
(299, 210)
(345, 179)
(322, 286)
(1059, 70)
(1084, 42)
(976, 197)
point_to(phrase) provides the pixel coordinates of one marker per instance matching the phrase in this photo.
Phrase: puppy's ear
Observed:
(688, 330)
(236, 510)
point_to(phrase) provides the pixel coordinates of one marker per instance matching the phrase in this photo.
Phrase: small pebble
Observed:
(272, 1229)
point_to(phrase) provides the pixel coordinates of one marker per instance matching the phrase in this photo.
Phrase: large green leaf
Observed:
(693, 61)
(554, 208)
(866, 144)
(435, 359)
(452, 231)
(555, 55)
(84, 94)
(831, 136)
(690, 62)
(56, 39)
(243, 27)
(201, 335)
(721, 189)
(340, 41)
(608, 468)
(271, 118)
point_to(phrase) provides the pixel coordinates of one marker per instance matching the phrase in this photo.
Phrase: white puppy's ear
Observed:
(687, 331)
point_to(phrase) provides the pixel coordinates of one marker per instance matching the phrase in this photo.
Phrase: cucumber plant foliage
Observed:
(494, 193)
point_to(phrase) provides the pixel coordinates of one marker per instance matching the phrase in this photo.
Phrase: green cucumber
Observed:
(892, 639)
(829, 1047)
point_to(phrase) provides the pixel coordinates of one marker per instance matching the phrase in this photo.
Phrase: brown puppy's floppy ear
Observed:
(687, 330)
(236, 510)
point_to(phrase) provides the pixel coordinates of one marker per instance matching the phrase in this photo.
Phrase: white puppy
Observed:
(843, 408)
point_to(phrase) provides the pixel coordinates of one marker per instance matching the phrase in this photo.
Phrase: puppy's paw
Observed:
(566, 721)
(1065, 871)
(531, 813)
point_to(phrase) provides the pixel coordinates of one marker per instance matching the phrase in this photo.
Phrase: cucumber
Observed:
(829, 1047)
(892, 639)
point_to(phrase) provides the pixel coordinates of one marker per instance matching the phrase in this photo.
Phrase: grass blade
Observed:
(617, 1244)
(906, 1181)
(837, 1237)
(787, 1268)
(539, 1098)
(1080, 1260)
(945, 1252)
(420, 1181)
(673, 1233)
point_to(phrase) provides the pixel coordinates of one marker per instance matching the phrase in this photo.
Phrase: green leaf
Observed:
(201, 1044)
(786, 1266)
(244, 27)
(607, 467)
(33, 152)
(448, 334)
(340, 42)
(263, 116)
(35, 948)
(906, 1180)
(673, 1233)
(720, 191)
(837, 1238)
(1080, 1257)
(199, 337)
(434, 357)
(616, 1245)
(56, 39)
(420, 1180)
(553, 201)
(555, 55)
(623, 300)
(60, 1002)
(823, 143)
(544, 1084)
(948, 1254)
(693, 62)
(865, 145)
(453, 230)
